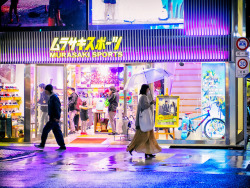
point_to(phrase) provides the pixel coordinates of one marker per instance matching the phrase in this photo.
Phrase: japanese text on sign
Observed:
(84, 43)
(85, 47)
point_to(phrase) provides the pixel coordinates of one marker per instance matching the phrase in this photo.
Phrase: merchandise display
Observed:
(10, 115)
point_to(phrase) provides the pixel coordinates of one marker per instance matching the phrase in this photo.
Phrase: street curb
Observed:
(207, 147)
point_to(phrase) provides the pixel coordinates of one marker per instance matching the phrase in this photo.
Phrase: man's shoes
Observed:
(39, 146)
(61, 149)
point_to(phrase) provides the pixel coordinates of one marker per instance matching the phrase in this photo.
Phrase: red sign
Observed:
(242, 43)
(242, 63)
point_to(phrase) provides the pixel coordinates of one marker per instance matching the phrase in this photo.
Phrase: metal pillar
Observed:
(27, 85)
(65, 109)
(125, 77)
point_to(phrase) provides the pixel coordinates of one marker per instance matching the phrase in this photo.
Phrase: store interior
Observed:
(11, 101)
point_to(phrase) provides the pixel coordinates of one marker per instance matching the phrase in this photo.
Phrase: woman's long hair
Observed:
(144, 88)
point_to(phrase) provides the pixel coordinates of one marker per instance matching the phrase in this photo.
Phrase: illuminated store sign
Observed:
(73, 47)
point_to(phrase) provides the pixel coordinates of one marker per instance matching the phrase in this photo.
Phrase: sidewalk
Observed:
(111, 166)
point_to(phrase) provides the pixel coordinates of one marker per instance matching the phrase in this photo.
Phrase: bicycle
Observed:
(213, 129)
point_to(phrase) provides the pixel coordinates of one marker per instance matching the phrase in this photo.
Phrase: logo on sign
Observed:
(242, 43)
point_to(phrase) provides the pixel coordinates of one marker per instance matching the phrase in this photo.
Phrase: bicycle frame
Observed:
(207, 115)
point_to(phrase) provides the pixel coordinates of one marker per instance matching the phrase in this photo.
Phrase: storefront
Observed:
(198, 58)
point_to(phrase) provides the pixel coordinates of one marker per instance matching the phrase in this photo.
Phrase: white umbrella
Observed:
(146, 76)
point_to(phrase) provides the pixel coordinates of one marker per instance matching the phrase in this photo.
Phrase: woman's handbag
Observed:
(146, 120)
(106, 102)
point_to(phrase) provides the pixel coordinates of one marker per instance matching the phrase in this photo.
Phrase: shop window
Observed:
(11, 101)
(200, 88)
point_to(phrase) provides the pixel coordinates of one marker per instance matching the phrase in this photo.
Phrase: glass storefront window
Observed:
(11, 101)
(201, 90)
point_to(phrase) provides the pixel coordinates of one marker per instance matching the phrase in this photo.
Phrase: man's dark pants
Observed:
(54, 126)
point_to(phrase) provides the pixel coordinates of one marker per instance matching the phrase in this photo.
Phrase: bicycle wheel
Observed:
(214, 128)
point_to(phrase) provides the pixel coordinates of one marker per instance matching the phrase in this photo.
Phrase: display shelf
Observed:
(9, 90)
(9, 106)
(19, 125)
(17, 98)
(6, 98)
(9, 98)
(16, 114)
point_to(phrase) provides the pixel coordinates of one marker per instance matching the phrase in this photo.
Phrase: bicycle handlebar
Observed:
(205, 107)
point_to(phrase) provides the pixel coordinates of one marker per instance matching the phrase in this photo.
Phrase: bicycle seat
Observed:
(188, 113)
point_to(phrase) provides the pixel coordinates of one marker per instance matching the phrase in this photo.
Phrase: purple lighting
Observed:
(207, 17)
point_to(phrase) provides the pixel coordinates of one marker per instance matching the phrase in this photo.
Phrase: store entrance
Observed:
(53, 75)
(92, 83)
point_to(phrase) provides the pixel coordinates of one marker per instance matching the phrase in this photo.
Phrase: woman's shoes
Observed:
(149, 156)
(130, 152)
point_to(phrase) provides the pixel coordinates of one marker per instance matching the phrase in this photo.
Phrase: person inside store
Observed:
(72, 108)
(84, 117)
(54, 112)
(113, 99)
(144, 142)
(43, 101)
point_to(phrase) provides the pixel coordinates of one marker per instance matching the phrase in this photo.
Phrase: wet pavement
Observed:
(112, 166)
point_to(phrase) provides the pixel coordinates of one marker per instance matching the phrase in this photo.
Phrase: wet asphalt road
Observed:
(113, 167)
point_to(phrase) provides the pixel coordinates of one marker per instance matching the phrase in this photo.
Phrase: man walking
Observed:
(72, 108)
(113, 104)
(54, 111)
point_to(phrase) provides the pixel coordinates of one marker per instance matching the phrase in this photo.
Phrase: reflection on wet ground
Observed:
(113, 167)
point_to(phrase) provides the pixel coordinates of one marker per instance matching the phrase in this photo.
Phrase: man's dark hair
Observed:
(73, 89)
(42, 85)
(49, 88)
(143, 90)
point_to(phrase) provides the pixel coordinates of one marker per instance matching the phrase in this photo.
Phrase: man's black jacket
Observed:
(54, 107)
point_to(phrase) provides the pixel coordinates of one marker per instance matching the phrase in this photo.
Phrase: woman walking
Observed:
(144, 142)
(84, 117)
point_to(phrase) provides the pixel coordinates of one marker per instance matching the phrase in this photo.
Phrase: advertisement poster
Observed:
(213, 89)
(167, 111)
(7, 74)
(67, 14)
(136, 14)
